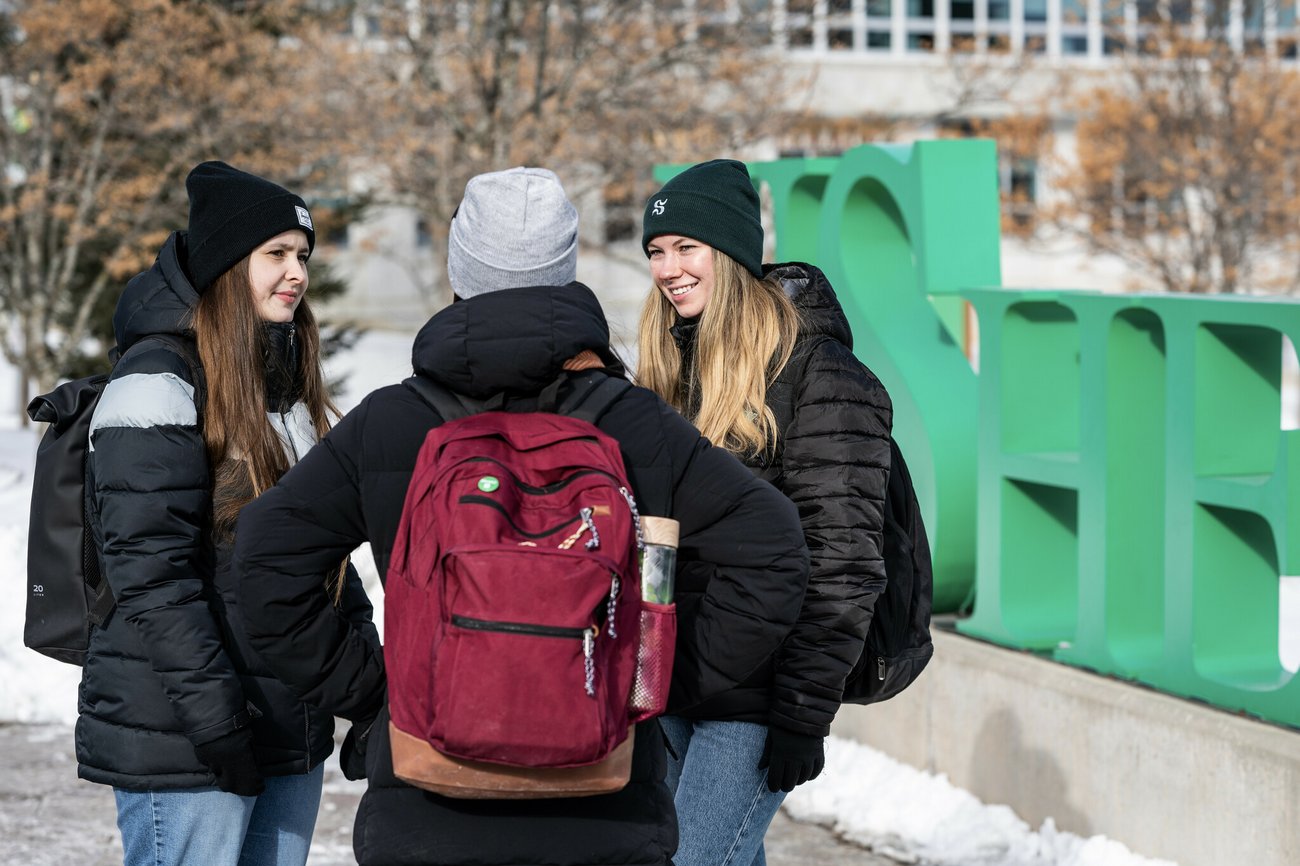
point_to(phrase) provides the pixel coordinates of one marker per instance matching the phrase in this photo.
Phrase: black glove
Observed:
(230, 758)
(352, 755)
(791, 759)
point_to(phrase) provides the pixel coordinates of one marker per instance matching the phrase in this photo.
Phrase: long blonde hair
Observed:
(744, 339)
(246, 453)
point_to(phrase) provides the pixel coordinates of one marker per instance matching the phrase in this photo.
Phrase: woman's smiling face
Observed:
(682, 268)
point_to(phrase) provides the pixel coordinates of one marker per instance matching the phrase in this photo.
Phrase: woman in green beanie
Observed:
(759, 358)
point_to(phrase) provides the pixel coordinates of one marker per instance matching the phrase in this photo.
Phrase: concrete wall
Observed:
(1167, 777)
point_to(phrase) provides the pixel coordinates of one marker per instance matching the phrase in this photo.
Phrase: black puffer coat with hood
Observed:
(832, 461)
(170, 668)
(351, 489)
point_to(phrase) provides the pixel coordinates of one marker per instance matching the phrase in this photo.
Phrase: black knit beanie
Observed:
(713, 202)
(231, 213)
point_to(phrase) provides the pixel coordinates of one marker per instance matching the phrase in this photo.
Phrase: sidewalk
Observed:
(48, 817)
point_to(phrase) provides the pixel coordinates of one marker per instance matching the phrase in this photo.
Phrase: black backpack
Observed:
(898, 644)
(66, 590)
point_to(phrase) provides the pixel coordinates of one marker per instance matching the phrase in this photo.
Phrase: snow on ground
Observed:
(924, 820)
(927, 820)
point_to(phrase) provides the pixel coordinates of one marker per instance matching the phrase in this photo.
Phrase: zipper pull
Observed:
(880, 669)
(636, 518)
(583, 525)
(589, 660)
(587, 524)
(589, 520)
(613, 605)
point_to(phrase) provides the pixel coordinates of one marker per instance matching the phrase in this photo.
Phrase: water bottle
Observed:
(658, 559)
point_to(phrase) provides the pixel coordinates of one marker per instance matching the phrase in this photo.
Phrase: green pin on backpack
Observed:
(488, 484)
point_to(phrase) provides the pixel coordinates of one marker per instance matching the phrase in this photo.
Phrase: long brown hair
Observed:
(744, 339)
(246, 453)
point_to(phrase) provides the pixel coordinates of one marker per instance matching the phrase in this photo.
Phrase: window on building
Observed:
(1074, 44)
(879, 28)
(840, 25)
(1113, 18)
(1137, 212)
(423, 237)
(1149, 20)
(999, 38)
(1286, 30)
(839, 39)
(962, 26)
(1253, 36)
(1035, 26)
(716, 21)
(1018, 184)
(920, 25)
(799, 23)
(1074, 27)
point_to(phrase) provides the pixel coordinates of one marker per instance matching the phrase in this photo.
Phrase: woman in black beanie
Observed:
(217, 390)
(759, 358)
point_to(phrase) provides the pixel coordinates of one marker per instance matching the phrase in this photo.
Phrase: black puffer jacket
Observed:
(170, 668)
(351, 489)
(833, 462)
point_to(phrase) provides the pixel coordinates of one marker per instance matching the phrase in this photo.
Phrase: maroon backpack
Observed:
(513, 609)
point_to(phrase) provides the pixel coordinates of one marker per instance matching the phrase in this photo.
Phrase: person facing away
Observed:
(518, 323)
(759, 358)
(211, 759)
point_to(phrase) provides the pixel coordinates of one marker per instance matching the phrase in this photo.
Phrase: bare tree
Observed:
(599, 89)
(1187, 163)
(104, 105)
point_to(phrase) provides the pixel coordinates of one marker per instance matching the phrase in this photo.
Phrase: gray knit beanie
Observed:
(513, 229)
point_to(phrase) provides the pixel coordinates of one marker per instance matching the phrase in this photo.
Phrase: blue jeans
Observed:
(723, 804)
(209, 826)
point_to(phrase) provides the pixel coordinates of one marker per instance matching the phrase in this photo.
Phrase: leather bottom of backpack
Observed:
(417, 763)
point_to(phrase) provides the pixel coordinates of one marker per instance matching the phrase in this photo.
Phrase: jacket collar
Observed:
(812, 294)
(513, 341)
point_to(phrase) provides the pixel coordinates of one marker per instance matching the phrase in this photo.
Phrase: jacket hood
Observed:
(515, 340)
(157, 301)
(812, 294)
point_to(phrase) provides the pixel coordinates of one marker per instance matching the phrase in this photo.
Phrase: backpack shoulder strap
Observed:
(446, 403)
(590, 404)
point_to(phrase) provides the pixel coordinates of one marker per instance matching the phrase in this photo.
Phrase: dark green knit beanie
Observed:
(715, 203)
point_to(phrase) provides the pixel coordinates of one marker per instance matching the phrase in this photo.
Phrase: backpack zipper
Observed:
(549, 488)
(587, 635)
(472, 499)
